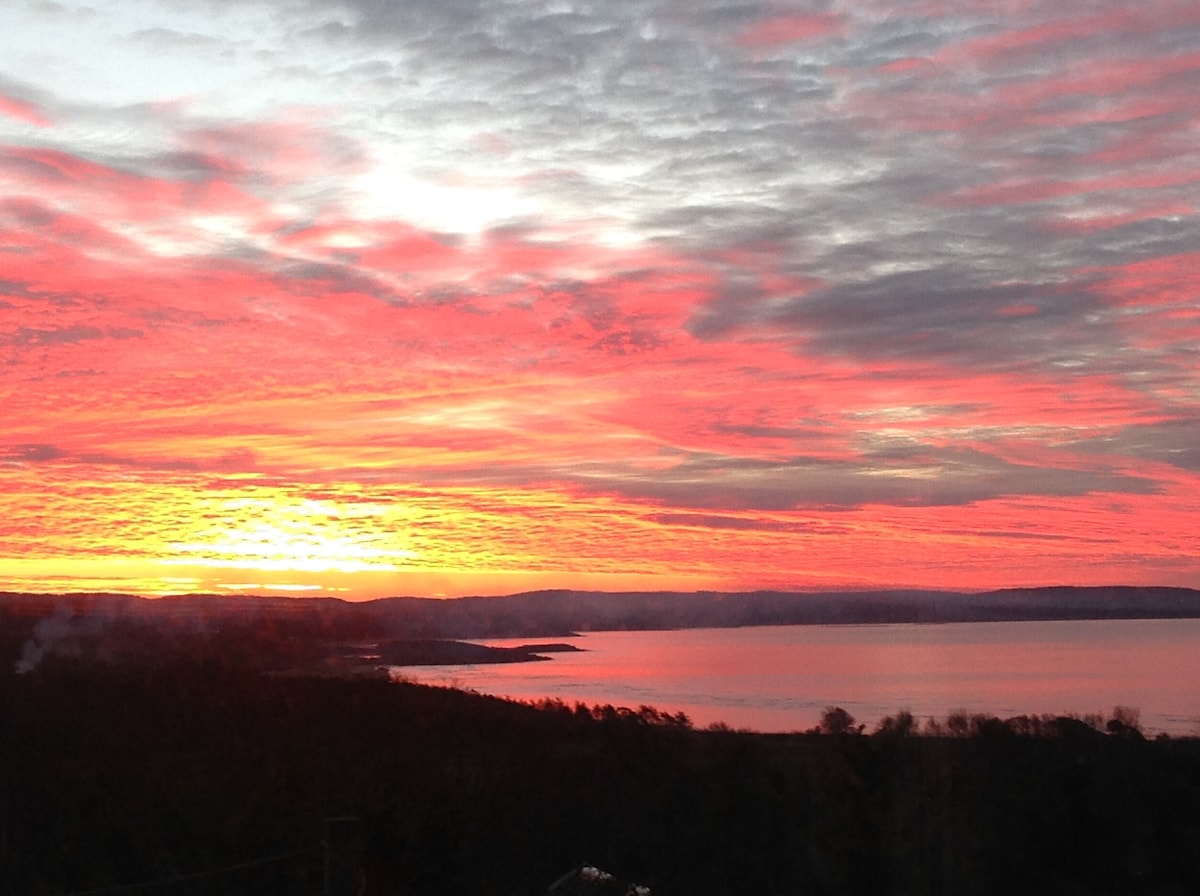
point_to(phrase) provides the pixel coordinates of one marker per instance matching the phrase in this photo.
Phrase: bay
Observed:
(781, 678)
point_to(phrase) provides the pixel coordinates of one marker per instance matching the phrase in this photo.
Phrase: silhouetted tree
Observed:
(835, 720)
(901, 724)
(1126, 721)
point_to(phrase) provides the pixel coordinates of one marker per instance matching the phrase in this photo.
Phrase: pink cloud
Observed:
(1049, 101)
(994, 48)
(1022, 191)
(286, 151)
(1049, 75)
(907, 65)
(379, 246)
(1166, 280)
(112, 194)
(788, 29)
(25, 111)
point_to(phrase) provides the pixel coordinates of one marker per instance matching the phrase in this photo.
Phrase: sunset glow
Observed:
(363, 298)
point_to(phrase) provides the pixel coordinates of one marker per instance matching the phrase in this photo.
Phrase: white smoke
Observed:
(59, 633)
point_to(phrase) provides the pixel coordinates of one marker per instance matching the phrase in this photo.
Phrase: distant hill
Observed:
(558, 613)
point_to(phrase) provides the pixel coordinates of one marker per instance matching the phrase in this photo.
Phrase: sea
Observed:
(781, 678)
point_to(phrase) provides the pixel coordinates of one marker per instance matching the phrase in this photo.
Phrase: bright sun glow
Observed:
(304, 536)
(470, 206)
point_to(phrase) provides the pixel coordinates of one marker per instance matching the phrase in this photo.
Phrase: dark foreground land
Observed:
(203, 755)
(118, 775)
(113, 774)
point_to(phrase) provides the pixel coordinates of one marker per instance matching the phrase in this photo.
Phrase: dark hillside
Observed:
(119, 773)
(156, 740)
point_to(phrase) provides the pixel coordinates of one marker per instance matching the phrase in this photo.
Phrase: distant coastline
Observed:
(561, 613)
(441, 652)
(298, 632)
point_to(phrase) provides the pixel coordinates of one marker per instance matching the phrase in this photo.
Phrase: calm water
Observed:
(780, 678)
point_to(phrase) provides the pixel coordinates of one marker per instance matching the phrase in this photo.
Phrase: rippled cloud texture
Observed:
(469, 296)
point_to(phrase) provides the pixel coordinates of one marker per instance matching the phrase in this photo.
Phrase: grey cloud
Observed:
(1032, 535)
(938, 478)
(192, 166)
(27, 213)
(24, 166)
(1149, 237)
(324, 277)
(639, 84)
(650, 113)
(15, 289)
(942, 314)
(1174, 442)
(796, 144)
(23, 91)
(27, 336)
(916, 476)
(794, 433)
(187, 166)
(170, 40)
(719, 521)
(236, 461)
(72, 374)
(650, 87)
(628, 341)
(33, 453)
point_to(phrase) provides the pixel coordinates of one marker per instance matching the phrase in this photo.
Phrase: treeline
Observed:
(1125, 721)
(121, 772)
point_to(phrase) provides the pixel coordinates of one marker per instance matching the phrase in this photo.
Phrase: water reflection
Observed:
(780, 678)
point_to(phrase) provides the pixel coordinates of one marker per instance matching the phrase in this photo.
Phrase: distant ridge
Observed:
(552, 613)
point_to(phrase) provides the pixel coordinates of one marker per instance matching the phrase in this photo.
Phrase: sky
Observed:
(451, 297)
